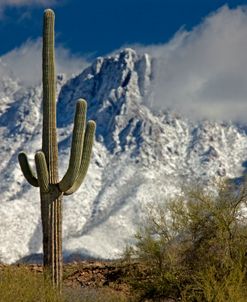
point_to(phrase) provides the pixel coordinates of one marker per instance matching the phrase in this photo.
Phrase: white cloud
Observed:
(200, 74)
(24, 62)
(203, 73)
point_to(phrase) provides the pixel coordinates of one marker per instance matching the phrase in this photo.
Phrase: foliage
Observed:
(194, 247)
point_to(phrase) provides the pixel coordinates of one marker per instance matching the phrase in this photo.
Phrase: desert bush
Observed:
(193, 247)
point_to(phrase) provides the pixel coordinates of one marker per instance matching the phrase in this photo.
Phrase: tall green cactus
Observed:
(51, 189)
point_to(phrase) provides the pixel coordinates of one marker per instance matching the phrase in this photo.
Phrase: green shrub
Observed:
(194, 247)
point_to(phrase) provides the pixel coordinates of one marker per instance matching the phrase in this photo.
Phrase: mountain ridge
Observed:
(140, 156)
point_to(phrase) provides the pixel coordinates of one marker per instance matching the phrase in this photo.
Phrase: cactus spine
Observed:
(46, 160)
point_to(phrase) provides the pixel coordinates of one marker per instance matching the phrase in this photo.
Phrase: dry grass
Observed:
(93, 295)
(19, 284)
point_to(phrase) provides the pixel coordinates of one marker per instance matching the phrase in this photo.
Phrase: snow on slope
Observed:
(139, 157)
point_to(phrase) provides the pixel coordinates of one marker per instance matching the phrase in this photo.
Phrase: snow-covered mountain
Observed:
(140, 156)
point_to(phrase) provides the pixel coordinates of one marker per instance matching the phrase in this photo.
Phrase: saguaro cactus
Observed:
(46, 160)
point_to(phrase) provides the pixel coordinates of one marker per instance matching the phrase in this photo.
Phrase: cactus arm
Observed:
(27, 170)
(76, 148)
(42, 172)
(87, 150)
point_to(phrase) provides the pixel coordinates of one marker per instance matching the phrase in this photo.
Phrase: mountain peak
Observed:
(113, 87)
(138, 156)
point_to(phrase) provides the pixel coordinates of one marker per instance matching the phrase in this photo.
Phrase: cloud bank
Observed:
(25, 63)
(203, 73)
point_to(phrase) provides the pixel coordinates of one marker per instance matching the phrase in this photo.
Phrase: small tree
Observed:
(194, 247)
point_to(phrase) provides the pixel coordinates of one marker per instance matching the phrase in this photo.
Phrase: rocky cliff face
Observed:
(140, 156)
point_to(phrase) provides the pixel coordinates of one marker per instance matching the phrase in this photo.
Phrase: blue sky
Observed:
(199, 47)
(97, 27)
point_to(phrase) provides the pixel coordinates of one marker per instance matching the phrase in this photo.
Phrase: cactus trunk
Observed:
(51, 201)
(51, 189)
(51, 217)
